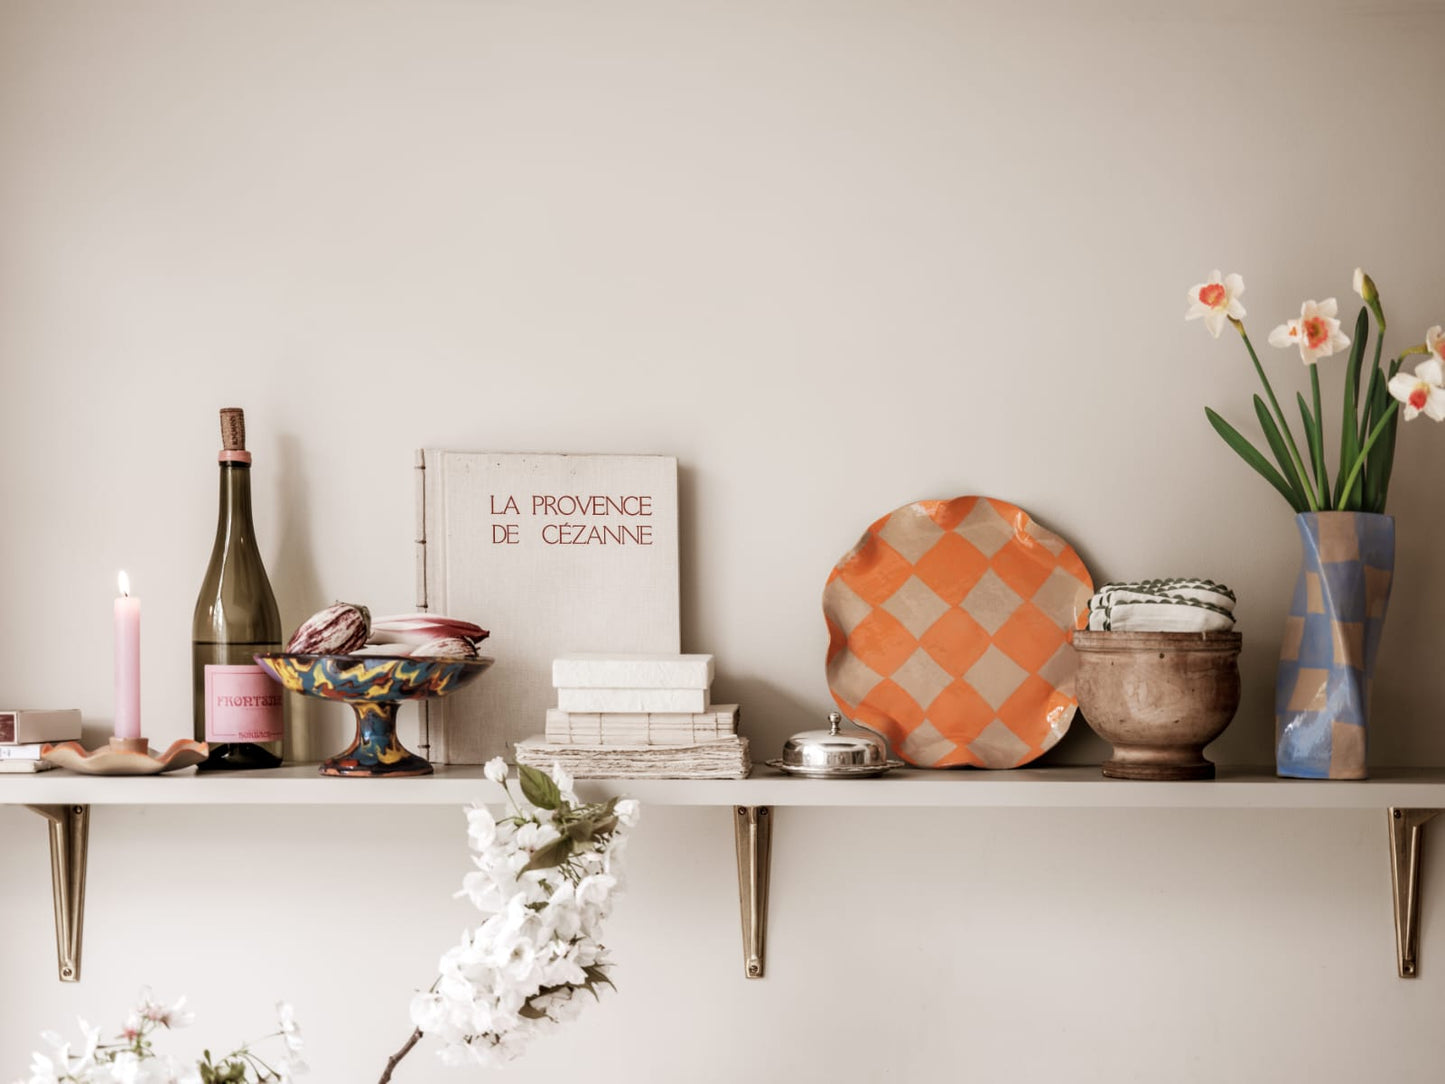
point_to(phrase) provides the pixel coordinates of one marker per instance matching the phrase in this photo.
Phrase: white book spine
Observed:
(21, 752)
(24, 767)
(634, 700)
(632, 672)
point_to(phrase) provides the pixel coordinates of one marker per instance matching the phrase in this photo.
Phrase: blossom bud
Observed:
(629, 811)
(496, 770)
(1365, 287)
(562, 779)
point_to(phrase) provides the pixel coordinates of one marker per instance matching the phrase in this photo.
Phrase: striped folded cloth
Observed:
(1179, 605)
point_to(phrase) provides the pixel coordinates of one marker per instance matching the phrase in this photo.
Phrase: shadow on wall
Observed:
(314, 729)
(768, 714)
(688, 556)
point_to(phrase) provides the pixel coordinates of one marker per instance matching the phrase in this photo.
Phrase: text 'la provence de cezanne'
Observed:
(569, 519)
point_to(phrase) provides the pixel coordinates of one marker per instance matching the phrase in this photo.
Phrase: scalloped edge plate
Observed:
(978, 689)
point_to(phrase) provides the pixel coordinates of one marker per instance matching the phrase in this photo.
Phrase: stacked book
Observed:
(638, 717)
(25, 732)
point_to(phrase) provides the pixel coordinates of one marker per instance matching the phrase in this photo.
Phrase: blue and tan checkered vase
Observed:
(1327, 657)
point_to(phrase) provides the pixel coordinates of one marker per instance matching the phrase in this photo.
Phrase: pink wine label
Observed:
(242, 704)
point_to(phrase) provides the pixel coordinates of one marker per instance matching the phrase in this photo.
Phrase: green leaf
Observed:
(580, 831)
(596, 977)
(551, 855)
(1370, 412)
(1281, 453)
(1316, 442)
(538, 788)
(1381, 461)
(1251, 455)
(1350, 415)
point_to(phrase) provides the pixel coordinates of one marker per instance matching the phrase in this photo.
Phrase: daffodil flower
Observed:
(1423, 390)
(1216, 301)
(1435, 344)
(1317, 333)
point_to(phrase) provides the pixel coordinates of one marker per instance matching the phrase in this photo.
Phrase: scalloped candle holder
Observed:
(125, 756)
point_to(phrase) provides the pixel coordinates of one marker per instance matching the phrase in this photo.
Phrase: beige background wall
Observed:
(834, 257)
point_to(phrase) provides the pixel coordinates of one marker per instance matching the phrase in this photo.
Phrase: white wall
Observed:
(835, 257)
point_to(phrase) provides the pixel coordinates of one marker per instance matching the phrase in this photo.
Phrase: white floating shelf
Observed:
(1065, 788)
(1412, 796)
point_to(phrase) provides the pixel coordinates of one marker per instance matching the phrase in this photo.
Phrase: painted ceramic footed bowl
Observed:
(375, 686)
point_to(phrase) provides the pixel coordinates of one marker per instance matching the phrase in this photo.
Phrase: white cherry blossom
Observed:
(132, 1058)
(540, 928)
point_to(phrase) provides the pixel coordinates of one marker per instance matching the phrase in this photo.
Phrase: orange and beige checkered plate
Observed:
(949, 632)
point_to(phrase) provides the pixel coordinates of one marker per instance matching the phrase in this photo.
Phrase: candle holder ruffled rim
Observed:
(125, 756)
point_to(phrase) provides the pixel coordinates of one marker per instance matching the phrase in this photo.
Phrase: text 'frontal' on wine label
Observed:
(242, 704)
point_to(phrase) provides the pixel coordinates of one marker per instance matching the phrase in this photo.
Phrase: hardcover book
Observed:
(22, 726)
(633, 700)
(30, 751)
(24, 767)
(633, 672)
(556, 555)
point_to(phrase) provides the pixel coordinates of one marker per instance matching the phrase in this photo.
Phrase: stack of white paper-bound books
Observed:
(637, 717)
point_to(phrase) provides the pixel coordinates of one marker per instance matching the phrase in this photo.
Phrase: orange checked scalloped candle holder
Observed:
(375, 686)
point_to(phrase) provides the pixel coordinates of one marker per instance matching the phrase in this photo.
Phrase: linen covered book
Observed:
(556, 555)
(633, 700)
(633, 672)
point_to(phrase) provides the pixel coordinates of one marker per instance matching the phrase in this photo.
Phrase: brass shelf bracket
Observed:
(753, 829)
(1407, 827)
(69, 844)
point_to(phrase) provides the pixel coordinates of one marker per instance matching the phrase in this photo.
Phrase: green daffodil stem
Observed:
(1279, 416)
(1370, 443)
(1322, 479)
(1365, 414)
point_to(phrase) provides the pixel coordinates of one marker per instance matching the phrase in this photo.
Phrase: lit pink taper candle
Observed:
(127, 662)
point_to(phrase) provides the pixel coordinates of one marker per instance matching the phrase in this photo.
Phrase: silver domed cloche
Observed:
(834, 753)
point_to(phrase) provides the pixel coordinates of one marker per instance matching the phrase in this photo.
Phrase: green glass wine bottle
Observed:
(239, 709)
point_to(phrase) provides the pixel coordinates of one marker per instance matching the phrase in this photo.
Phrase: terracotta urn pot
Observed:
(1158, 698)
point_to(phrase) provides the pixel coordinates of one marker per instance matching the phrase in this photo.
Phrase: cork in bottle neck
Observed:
(233, 436)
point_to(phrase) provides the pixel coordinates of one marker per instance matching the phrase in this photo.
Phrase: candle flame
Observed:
(123, 582)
